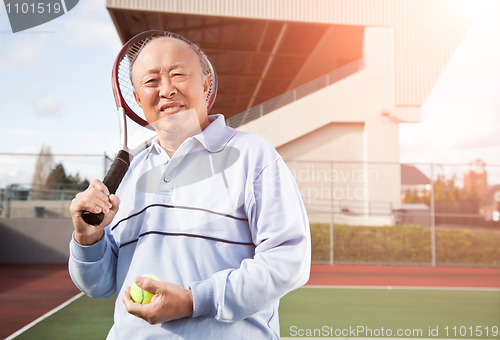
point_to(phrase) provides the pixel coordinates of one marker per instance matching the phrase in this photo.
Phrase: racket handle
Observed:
(112, 180)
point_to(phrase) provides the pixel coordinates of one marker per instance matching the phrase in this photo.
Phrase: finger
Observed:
(132, 307)
(135, 308)
(97, 184)
(127, 300)
(93, 199)
(97, 193)
(94, 202)
(98, 198)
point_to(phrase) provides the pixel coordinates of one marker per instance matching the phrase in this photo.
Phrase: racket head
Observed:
(123, 89)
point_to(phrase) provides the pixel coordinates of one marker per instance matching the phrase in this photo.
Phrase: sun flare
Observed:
(481, 10)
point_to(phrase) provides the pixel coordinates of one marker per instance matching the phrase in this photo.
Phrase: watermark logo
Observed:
(25, 14)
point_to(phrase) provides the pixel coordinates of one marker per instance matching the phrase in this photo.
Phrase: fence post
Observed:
(104, 163)
(433, 219)
(7, 201)
(332, 210)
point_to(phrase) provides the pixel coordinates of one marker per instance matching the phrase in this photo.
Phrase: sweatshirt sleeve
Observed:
(280, 231)
(93, 268)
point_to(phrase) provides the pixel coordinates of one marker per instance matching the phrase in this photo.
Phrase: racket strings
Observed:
(125, 87)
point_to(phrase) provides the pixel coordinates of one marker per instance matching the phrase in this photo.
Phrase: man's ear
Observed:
(206, 86)
(137, 99)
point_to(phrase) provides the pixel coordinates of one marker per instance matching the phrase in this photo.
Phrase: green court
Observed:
(406, 313)
(328, 312)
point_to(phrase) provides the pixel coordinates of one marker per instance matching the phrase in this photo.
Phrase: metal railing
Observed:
(351, 207)
(32, 200)
(55, 191)
(295, 94)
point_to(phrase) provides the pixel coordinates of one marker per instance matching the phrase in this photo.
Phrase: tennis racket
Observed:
(123, 91)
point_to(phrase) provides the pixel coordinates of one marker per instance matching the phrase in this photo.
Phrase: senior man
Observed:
(211, 211)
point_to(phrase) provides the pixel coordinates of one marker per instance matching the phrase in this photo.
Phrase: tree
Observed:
(58, 175)
(413, 196)
(49, 179)
(454, 205)
(43, 166)
(58, 179)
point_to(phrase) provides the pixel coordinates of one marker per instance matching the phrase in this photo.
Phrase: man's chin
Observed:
(183, 121)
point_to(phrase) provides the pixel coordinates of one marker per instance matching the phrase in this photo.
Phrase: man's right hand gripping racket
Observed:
(123, 91)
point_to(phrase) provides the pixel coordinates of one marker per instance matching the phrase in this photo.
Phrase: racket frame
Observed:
(121, 163)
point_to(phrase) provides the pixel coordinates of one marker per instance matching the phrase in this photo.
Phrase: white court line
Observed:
(43, 317)
(486, 289)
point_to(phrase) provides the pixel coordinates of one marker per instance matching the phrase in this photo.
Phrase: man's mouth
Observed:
(171, 108)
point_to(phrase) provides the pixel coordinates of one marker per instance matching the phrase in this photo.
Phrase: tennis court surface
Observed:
(338, 301)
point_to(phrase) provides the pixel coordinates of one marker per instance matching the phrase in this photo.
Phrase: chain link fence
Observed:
(21, 198)
(392, 213)
(360, 212)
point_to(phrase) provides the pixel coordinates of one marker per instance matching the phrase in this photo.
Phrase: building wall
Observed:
(332, 142)
(476, 183)
(382, 122)
(323, 179)
(36, 208)
(341, 142)
(35, 240)
(341, 102)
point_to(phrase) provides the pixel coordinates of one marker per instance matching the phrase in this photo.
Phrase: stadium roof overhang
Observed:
(255, 60)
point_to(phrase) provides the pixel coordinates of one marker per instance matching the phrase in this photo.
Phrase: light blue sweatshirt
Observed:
(223, 217)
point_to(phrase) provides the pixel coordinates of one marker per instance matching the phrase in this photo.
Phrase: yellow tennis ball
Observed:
(139, 295)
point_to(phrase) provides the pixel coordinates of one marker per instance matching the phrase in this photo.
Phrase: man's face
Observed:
(167, 77)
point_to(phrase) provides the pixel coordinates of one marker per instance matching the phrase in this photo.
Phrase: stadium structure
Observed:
(326, 82)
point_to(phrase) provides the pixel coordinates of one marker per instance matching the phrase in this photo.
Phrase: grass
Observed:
(417, 312)
(405, 244)
(86, 318)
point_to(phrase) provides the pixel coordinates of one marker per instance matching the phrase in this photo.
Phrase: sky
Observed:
(55, 90)
(461, 115)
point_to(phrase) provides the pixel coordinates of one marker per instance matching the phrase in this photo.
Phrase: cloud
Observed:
(21, 52)
(89, 25)
(49, 107)
(18, 132)
(483, 138)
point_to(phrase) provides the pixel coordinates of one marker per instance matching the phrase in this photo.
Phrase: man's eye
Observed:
(151, 81)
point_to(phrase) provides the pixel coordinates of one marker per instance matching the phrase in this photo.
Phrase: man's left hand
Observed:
(169, 302)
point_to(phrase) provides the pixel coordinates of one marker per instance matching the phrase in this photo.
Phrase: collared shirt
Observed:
(222, 217)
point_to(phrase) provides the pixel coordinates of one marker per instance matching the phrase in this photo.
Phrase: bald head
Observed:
(205, 67)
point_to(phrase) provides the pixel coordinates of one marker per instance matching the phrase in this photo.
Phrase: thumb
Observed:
(147, 284)
(115, 202)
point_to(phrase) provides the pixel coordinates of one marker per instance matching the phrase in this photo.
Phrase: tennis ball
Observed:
(139, 295)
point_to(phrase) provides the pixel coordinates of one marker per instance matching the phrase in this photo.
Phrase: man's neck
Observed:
(172, 134)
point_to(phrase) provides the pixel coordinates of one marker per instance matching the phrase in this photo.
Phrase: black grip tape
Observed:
(117, 170)
(112, 180)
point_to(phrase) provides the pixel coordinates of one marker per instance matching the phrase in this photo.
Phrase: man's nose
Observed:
(167, 89)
